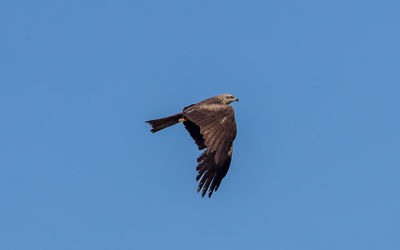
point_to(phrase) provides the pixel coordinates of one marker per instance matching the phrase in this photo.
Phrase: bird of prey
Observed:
(211, 124)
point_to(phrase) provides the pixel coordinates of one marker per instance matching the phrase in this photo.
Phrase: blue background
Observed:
(315, 163)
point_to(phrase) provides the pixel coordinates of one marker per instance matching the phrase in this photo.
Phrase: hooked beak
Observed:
(237, 99)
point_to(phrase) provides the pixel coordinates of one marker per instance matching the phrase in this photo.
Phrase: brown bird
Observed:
(211, 123)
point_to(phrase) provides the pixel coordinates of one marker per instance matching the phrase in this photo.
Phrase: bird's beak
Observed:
(237, 99)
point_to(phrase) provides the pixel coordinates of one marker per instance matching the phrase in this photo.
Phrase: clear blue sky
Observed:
(316, 160)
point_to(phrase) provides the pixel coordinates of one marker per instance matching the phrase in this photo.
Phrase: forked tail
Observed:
(162, 123)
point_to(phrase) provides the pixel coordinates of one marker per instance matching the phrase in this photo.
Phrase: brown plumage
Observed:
(211, 124)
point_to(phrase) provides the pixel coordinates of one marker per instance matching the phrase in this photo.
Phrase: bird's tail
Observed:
(162, 123)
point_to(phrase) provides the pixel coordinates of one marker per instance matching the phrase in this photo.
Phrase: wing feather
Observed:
(218, 129)
(194, 132)
(216, 134)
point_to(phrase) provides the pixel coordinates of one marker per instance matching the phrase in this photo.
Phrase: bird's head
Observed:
(227, 98)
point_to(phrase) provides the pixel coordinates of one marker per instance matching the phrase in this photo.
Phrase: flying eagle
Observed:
(211, 123)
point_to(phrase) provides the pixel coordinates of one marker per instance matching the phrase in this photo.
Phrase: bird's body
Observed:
(211, 123)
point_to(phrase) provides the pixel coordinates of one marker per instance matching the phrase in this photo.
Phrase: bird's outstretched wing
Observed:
(213, 127)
